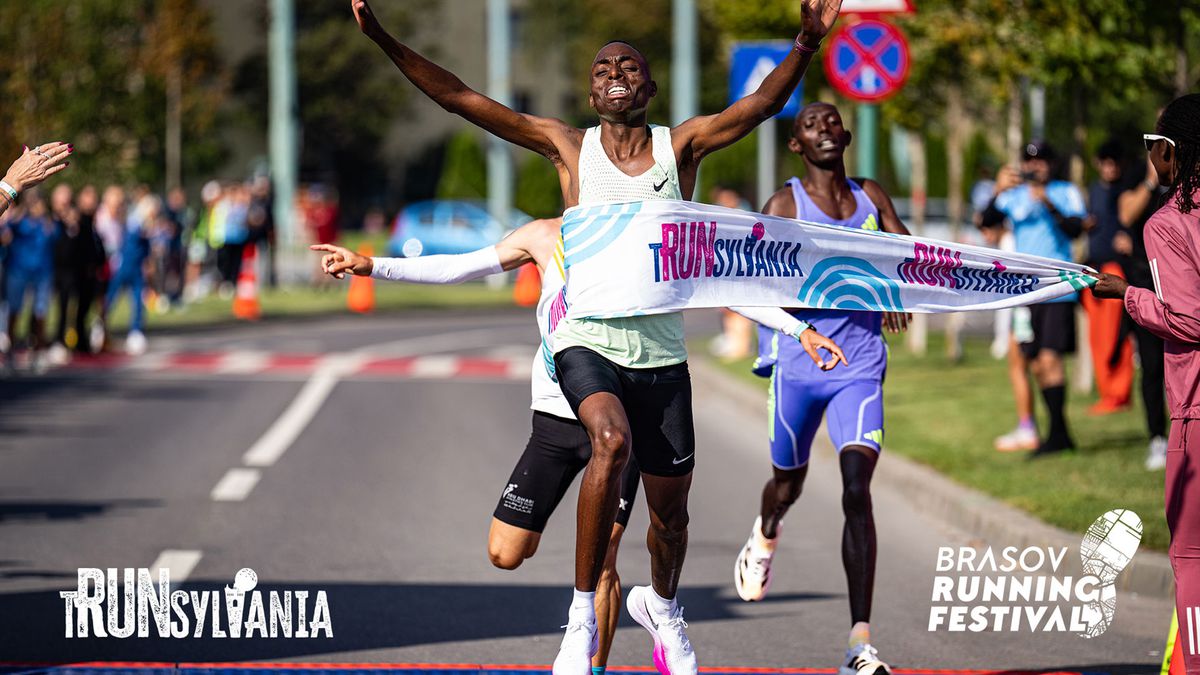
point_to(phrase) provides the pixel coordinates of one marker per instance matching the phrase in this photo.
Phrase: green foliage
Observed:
(348, 92)
(464, 173)
(587, 25)
(538, 192)
(94, 72)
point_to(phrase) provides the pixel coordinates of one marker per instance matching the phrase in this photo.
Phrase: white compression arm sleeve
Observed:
(774, 318)
(438, 269)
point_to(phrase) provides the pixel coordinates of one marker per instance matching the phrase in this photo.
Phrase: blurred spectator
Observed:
(738, 337)
(29, 234)
(178, 219)
(230, 215)
(1046, 214)
(318, 212)
(78, 257)
(199, 252)
(128, 265)
(1135, 206)
(261, 220)
(1112, 354)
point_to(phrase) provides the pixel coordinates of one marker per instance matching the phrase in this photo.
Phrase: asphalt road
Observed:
(379, 492)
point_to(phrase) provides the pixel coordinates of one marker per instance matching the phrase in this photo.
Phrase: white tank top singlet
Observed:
(641, 341)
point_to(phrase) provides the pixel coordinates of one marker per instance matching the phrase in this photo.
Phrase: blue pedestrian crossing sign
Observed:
(752, 62)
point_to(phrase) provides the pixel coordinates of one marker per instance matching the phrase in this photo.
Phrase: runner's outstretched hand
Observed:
(1110, 286)
(818, 19)
(337, 261)
(896, 322)
(812, 341)
(367, 22)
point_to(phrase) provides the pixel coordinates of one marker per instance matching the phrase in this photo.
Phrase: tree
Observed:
(94, 72)
(588, 24)
(348, 96)
(464, 172)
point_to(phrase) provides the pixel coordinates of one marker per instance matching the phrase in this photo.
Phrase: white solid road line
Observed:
(268, 449)
(236, 484)
(180, 562)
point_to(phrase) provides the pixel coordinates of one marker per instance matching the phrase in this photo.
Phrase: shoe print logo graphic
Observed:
(508, 490)
(660, 186)
(681, 461)
(876, 436)
(623, 505)
(1107, 548)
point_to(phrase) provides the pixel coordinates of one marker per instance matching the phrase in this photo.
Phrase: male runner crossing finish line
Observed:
(558, 447)
(626, 379)
(851, 400)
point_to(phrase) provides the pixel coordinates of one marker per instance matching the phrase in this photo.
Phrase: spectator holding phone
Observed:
(1046, 214)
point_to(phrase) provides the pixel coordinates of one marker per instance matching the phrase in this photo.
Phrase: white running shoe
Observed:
(97, 337)
(1021, 438)
(135, 343)
(673, 653)
(864, 660)
(1156, 460)
(752, 570)
(59, 355)
(579, 645)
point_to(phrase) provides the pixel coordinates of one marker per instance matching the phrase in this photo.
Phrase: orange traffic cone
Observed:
(245, 299)
(361, 296)
(528, 287)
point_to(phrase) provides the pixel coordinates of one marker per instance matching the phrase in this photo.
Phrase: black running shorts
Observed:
(1053, 326)
(657, 401)
(557, 451)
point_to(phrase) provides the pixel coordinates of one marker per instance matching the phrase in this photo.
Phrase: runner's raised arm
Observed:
(538, 134)
(700, 136)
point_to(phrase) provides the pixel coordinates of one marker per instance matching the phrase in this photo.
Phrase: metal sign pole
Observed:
(867, 140)
(767, 144)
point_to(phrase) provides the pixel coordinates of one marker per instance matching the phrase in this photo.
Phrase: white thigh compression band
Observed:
(438, 269)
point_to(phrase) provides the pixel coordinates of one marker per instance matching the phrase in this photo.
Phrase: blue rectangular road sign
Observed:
(750, 65)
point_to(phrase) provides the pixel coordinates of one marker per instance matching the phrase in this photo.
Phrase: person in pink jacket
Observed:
(1171, 310)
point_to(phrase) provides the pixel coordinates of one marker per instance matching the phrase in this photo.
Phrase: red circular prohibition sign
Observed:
(868, 60)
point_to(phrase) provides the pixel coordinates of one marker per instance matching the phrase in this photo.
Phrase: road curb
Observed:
(989, 520)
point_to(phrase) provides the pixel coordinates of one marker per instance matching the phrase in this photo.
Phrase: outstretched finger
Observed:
(56, 156)
(55, 169)
(329, 248)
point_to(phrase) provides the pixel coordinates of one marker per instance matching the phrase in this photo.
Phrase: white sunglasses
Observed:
(1151, 139)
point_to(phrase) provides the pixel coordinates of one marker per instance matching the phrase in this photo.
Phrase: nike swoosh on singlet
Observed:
(681, 461)
(659, 187)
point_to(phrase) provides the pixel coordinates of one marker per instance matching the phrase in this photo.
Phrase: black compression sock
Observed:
(1056, 399)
